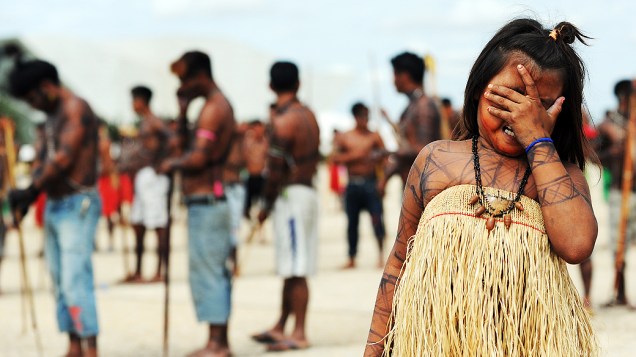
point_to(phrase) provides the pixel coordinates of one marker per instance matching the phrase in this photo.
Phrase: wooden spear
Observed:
(10, 158)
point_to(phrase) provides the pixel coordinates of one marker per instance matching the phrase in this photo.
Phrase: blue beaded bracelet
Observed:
(540, 140)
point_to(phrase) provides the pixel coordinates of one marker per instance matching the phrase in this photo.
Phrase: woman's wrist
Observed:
(535, 142)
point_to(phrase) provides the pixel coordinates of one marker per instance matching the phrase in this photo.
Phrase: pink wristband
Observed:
(206, 134)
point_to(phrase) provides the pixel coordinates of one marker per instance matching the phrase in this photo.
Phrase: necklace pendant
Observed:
(490, 223)
(473, 200)
(498, 205)
(519, 206)
(507, 220)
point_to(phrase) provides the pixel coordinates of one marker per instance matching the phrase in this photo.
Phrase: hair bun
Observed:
(566, 32)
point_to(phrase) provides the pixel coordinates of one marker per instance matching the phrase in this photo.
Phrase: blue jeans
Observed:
(70, 223)
(209, 245)
(362, 193)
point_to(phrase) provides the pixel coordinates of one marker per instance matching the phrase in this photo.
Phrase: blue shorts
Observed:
(70, 223)
(209, 245)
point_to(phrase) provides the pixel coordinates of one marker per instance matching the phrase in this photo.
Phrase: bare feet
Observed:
(156, 279)
(586, 302)
(211, 352)
(132, 279)
(90, 352)
(587, 305)
(350, 265)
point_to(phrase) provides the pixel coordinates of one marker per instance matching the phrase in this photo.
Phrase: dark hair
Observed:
(142, 92)
(255, 122)
(196, 62)
(411, 64)
(623, 88)
(284, 76)
(358, 108)
(446, 102)
(527, 37)
(27, 76)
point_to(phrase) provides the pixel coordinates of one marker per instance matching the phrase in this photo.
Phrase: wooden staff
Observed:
(166, 296)
(166, 277)
(10, 159)
(628, 179)
(7, 183)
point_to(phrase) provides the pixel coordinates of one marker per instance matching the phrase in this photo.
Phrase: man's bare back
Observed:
(296, 132)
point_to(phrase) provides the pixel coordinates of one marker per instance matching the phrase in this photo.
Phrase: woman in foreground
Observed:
(488, 223)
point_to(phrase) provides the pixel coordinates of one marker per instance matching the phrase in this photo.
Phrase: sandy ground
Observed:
(340, 307)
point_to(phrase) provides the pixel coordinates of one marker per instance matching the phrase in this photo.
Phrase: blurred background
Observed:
(343, 48)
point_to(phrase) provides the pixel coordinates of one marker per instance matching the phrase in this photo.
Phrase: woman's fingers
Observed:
(531, 88)
(501, 114)
(554, 111)
(506, 92)
(502, 102)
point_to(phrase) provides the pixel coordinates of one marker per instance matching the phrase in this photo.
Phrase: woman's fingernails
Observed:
(520, 66)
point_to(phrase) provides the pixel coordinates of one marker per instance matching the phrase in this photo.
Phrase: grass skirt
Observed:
(464, 291)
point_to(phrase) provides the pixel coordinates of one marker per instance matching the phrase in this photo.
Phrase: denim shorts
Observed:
(70, 223)
(209, 245)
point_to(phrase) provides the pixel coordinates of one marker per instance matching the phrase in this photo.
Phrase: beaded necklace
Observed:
(494, 205)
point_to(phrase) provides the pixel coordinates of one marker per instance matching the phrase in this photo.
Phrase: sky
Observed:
(353, 38)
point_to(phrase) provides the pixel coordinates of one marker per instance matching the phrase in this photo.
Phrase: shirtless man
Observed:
(150, 203)
(255, 146)
(68, 175)
(201, 166)
(361, 151)
(289, 192)
(419, 124)
(613, 131)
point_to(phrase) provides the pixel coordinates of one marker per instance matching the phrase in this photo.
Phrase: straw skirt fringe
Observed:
(466, 292)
